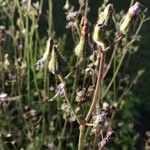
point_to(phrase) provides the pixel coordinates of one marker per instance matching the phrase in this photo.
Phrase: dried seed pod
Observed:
(41, 62)
(57, 63)
(83, 49)
(98, 34)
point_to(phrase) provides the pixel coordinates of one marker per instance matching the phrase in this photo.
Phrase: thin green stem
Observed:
(122, 59)
(115, 74)
(114, 83)
(75, 84)
(96, 98)
(28, 59)
(20, 14)
(62, 135)
(110, 62)
(2, 72)
(86, 8)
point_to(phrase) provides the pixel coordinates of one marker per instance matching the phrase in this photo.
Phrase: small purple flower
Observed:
(71, 15)
(69, 24)
(81, 96)
(61, 89)
(40, 64)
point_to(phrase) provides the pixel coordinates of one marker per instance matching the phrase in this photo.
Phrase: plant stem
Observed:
(115, 74)
(28, 59)
(62, 135)
(97, 92)
(2, 71)
(110, 62)
(81, 137)
(114, 84)
(96, 97)
(75, 83)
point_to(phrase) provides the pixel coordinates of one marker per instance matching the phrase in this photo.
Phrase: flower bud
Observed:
(57, 64)
(84, 48)
(133, 12)
(84, 26)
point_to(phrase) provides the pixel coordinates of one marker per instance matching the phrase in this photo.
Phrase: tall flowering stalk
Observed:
(97, 116)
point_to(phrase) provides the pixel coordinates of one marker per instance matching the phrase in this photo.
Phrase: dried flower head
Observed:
(99, 119)
(60, 90)
(105, 15)
(106, 139)
(81, 96)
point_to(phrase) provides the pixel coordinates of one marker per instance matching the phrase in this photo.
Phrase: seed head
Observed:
(81, 96)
